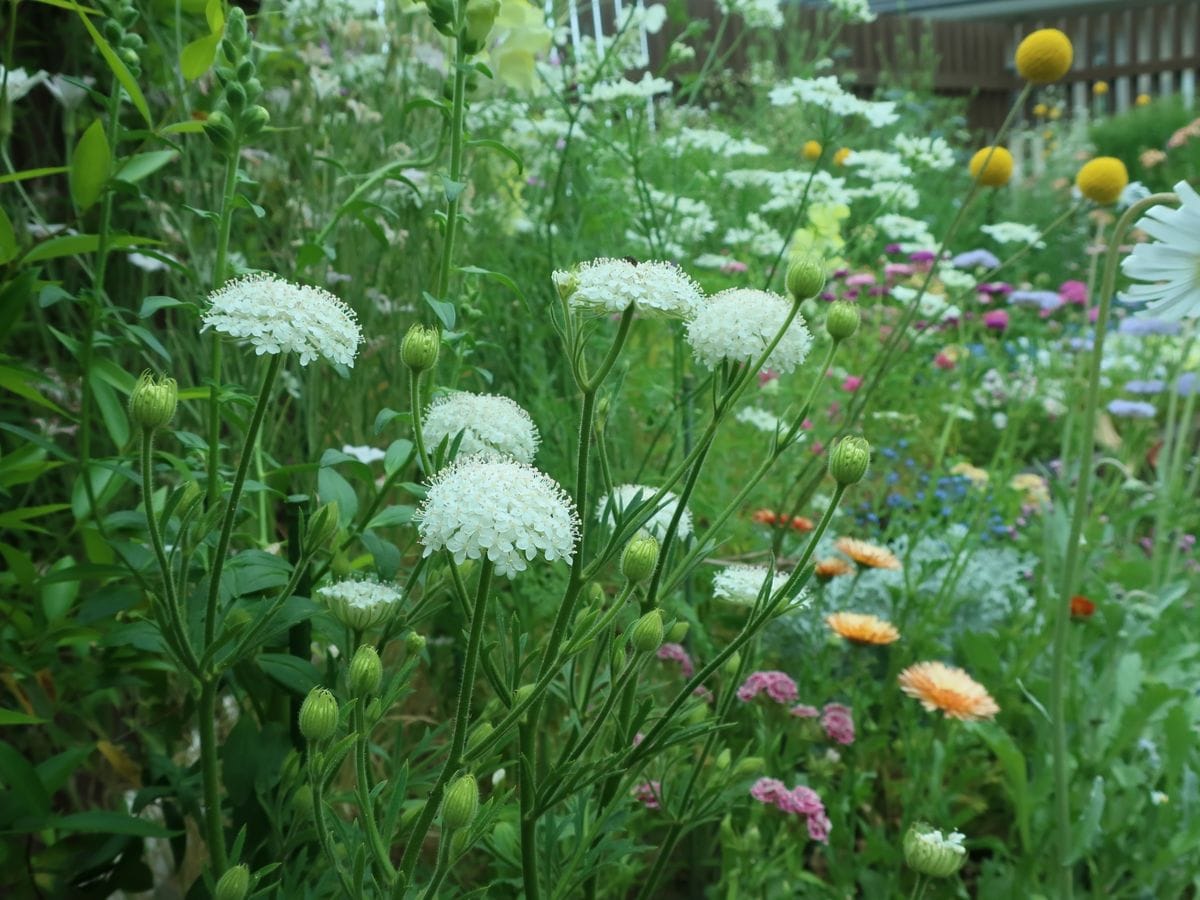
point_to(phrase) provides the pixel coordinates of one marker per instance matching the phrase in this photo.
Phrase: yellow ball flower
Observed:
(1142, 100)
(999, 166)
(1055, 112)
(1040, 110)
(812, 151)
(839, 158)
(1100, 88)
(1044, 56)
(1102, 179)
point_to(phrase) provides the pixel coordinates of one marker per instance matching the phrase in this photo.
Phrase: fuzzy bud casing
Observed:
(218, 127)
(646, 635)
(234, 884)
(639, 557)
(153, 401)
(848, 461)
(842, 320)
(461, 803)
(420, 347)
(319, 715)
(366, 672)
(806, 277)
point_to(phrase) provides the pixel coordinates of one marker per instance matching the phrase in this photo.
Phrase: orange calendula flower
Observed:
(866, 554)
(802, 523)
(862, 629)
(1082, 607)
(953, 691)
(828, 569)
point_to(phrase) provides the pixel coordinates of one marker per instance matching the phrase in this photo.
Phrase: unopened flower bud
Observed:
(522, 693)
(842, 320)
(646, 635)
(234, 884)
(319, 715)
(153, 401)
(441, 13)
(480, 17)
(480, 734)
(218, 127)
(192, 494)
(235, 26)
(302, 802)
(235, 96)
(236, 620)
(618, 658)
(322, 526)
(639, 557)
(848, 460)
(366, 672)
(419, 349)
(677, 633)
(806, 277)
(414, 643)
(245, 70)
(723, 760)
(595, 594)
(750, 765)
(254, 120)
(254, 89)
(731, 665)
(461, 803)
(926, 851)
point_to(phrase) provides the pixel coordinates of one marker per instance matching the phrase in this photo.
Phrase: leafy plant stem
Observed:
(224, 227)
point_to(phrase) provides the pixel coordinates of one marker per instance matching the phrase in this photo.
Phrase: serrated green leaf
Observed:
(90, 166)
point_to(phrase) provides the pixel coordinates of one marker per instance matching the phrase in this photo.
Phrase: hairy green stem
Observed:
(210, 770)
(457, 115)
(317, 783)
(224, 227)
(384, 869)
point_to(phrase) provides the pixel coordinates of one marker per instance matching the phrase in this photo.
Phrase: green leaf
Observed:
(187, 126)
(112, 409)
(119, 70)
(8, 239)
(197, 57)
(19, 382)
(443, 309)
(12, 717)
(151, 305)
(1016, 776)
(332, 486)
(297, 675)
(392, 515)
(214, 12)
(1088, 826)
(90, 166)
(32, 173)
(28, 797)
(453, 189)
(498, 276)
(399, 453)
(141, 165)
(490, 144)
(104, 821)
(75, 244)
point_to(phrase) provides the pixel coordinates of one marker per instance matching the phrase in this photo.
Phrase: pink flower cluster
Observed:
(676, 653)
(838, 723)
(778, 685)
(799, 801)
(649, 794)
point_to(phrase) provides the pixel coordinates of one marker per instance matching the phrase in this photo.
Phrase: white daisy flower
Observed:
(498, 509)
(488, 422)
(277, 316)
(741, 584)
(623, 498)
(1169, 266)
(738, 324)
(359, 603)
(659, 289)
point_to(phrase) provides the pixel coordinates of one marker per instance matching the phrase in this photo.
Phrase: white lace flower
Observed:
(627, 497)
(755, 13)
(488, 423)
(359, 603)
(659, 289)
(623, 90)
(710, 140)
(277, 316)
(738, 324)
(928, 152)
(757, 417)
(741, 584)
(1169, 266)
(1014, 233)
(826, 92)
(498, 509)
(857, 11)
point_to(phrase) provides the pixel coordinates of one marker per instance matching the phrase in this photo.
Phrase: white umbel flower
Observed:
(741, 584)
(1169, 266)
(277, 316)
(488, 423)
(359, 604)
(739, 324)
(622, 499)
(498, 509)
(659, 289)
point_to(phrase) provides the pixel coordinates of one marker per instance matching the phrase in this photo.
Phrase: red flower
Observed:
(1082, 607)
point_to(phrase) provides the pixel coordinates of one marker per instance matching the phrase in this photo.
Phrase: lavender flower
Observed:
(1132, 409)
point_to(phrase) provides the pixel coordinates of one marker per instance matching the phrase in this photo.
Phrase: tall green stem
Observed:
(1074, 556)
(379, 851)
(454, 193)
(224, 227)
(210, 770)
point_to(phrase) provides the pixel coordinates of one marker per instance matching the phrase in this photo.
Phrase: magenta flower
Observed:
(852, 383)
(1074, 292)
(996, 319)
(819, 828)
(676, 653)
(799, 801)
(838, 723)
(804, 711)
(649, 794)
(733, 267)
(777, 685)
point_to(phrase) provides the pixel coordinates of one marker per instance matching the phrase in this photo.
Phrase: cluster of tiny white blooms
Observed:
(710, 140)
(741, 584)
(935, 840)
(277, 316)
(857, 11)
(892, 194)
(738, 324)
(755, 13)
(903, 228)
(488, 422)
(881, 165)
(623, 89)
(956, 279)
(926, 152)
(1168, 268)
(786, 189)
(826, 93)
(359, 603)
(757, 417)
(498, 509)
(623, 497)
(1014, 233)
(756, 235)
(610, 285)
(683, 222)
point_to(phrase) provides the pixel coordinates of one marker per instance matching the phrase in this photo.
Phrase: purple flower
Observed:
(992, 288)
(1141, 326)
(778, 686)
(676, 653)
(922, 256)
(1133, 409)
(1186, 385)
(996, 319)
(1074, 292)
(973, 258)
(804, 711)
(838, 723)
(892, 248)
(1044, 300)
(1152, 386)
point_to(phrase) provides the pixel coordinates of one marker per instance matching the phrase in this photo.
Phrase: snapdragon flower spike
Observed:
(487, 422)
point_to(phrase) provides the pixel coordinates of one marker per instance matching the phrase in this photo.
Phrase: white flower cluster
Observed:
(757, 236)
(786, 188)
(711, 140)
(755, 13)
(487, 422)
(738, 324)
(826, 93)
(359, 603)
(925, 152)
(623, 90)
(741, 584)
(277, 316)
(757, 417)
(879, 165)
(855, 11)
(904, 228)
(659, 289)
(1014, 233)
(891, 194)
(498, 509)
(627, 496)
(935, 841)
(682, 222)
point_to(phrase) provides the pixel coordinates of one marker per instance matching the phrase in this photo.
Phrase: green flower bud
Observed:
(302, 802)
(806, 277)
(595, 594)
(245, 70)
(131, 40)
(730, 667)
(723, 760)
(842, 320)
(219, 129)
(112, 31)
(441, 13)
(480, 17)
(366, 672)
(322, 526)
(153, 401)
(128, 16)
(234, 884)
(419, 349)
(522, 693)
(235, 26)
(848, 460)
(319, 715)
(461, 803)
(130, 57)
(253, 88)
(254, 120)
(480, 734)
(677, 633)
(237, 619)
(192, 494)
(618, 658)
(749, 765)
(414, 643)
(926, 851)
(646, 635)
(639, 557)
(235, 96)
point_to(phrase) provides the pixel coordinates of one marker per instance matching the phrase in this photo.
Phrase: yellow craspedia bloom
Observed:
(1044, 56)
(1055, 112)
(1047, 135)
(839, 158)
(1102, 179)
(812, 150)
(1040, 109)
(1142, 100)
(1100, 88)
(999, 166)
